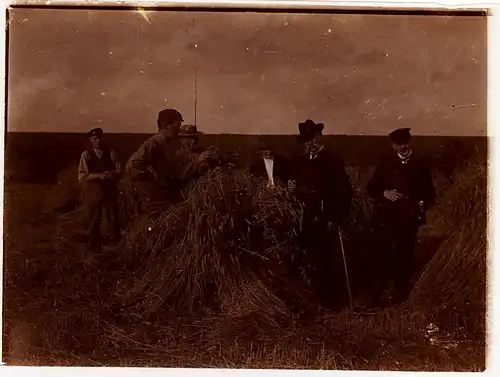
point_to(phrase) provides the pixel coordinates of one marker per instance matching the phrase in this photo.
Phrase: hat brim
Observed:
(95, 133)
(308, 130)
(309, 135)
(190, 134)
(264, 147)
(400, 141)
(305, 136)
(400, 136)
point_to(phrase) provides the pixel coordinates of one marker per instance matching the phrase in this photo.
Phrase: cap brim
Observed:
(264, 147)
(190, 135)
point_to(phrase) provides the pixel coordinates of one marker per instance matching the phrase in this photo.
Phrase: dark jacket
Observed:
(323, 186)
(412, 179)
(280, 169)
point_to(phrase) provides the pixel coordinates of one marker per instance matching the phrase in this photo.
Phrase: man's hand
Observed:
(392, 195)
(421, 206)
(108, 175)
(207, 155)
(292, 185)
(329, 226)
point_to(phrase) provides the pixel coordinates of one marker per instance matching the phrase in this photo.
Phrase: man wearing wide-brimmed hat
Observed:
(153, 168)
(320, 181)
(193, 158)
(99, 172)
(403, 188)
(269, 165)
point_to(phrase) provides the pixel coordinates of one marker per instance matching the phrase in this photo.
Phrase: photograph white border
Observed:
(493, 129)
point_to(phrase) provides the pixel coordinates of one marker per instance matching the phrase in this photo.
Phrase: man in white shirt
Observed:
(269, 166)
(99, 171)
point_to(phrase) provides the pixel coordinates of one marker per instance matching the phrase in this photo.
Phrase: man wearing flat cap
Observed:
(194, 160)
(153, 169)
(99, 173)
(319, 180)
(403, 188)
(269, 166)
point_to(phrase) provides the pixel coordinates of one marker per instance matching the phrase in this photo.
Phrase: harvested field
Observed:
(136, 305)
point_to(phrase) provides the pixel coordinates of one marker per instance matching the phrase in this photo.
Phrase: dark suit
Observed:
(397, 223)
(324, 189)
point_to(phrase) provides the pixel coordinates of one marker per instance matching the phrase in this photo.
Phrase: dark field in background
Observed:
(39, 157)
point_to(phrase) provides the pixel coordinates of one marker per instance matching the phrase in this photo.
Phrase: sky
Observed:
(256, 73)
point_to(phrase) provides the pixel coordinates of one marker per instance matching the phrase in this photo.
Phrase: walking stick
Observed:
(345, 266)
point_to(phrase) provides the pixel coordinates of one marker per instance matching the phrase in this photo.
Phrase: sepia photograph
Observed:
(260, 189)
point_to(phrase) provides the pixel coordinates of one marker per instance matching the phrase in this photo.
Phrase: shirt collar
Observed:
(405, 160)
(312, 156)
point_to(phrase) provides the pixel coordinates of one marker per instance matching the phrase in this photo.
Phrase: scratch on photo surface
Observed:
(142, 12)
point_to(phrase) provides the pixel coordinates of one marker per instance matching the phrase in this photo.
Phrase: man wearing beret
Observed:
(320, 181)
(99, 172)
(403, 188)
(154, 168)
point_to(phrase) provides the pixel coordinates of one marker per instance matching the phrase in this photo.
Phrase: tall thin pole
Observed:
(195, 92)
(345, 267)
(195, 83)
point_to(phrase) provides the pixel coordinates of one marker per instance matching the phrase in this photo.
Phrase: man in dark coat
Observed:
(403, 188)
(99, 172)
(269, 166)
(320, 182)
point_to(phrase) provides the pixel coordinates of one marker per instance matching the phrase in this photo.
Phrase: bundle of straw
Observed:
(457, 273)
(362, 205)
(129, 202)
(229, 232)
(454, 196)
